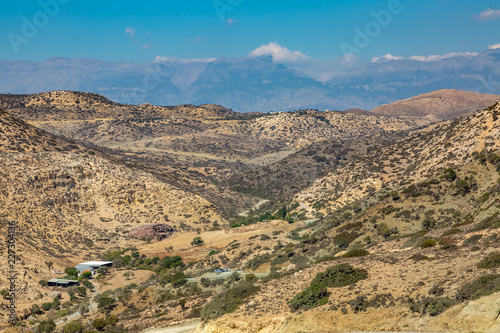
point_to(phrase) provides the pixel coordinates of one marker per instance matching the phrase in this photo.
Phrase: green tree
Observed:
(105, 303)
(102, 270)
(84, 309)
(197, 241)
(99, 323)
(384, 230)
(71, 271)
(35, 309)
(46, 326)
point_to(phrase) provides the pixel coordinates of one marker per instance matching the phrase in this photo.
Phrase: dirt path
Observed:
(256, 207)
(185, 328)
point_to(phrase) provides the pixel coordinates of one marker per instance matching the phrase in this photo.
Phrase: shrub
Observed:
(450, 232)
(280, 259)
(172, 262)
(428, 223)
(46, 326)
(257, 261)
(73, 327)
(492, 260)
(356, 253)
(228, 301)
(314, 295)
(450, 174)
(491, 222)
(428, 243)
(482, 286)
(317, 294)
(438, 305)
(205, 282)
(472, 240)
(340, 276)
(384, 230)
(177, 279)
(99, 323)
(197, 241)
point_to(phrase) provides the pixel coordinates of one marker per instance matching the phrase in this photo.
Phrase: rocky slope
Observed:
(445, 104)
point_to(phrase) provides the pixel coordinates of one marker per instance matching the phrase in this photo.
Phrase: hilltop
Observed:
(445, 104)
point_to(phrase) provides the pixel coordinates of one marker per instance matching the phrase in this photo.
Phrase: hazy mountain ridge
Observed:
(253, 84)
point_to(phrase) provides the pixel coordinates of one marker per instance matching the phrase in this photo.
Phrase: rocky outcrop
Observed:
(152, 231)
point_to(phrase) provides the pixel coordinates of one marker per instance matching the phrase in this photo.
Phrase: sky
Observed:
(339, 32)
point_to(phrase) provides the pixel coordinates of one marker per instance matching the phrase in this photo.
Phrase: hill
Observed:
(71, 203)
(398, 233)
(203, 148)
(445, 104)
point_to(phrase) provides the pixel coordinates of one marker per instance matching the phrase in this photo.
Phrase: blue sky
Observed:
(314, 29)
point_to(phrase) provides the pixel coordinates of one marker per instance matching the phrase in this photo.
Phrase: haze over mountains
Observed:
(254, 84)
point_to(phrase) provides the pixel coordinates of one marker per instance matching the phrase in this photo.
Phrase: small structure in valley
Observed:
(92, 266)
(64, 283)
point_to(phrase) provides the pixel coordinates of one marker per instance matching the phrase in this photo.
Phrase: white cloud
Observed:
(279, 53)
(159, 59)
(322, 70)
(384, 58)
(130, 31)
(494, 46)
(430, 58)
(488, 15)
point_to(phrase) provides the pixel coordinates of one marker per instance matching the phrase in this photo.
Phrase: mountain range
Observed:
(253, 83)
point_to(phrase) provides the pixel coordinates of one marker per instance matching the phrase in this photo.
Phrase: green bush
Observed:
(177, 279)
(73, 327)
(46, 326)
(356, 253)
(438, 305)
(491, 222)
(472, 240)
(428, 223)
(452, 231)
(340, 276)
(99, 323)
(228, 301)
(317, 293)
(492, 260)
(428, 243)
(314, 295)
(257, 261)
(482, 286)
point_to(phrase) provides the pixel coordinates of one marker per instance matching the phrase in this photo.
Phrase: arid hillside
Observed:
(445, 104)
(202, 148)
(71, 202)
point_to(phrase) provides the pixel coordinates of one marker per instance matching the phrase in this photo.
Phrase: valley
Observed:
(355, 221)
